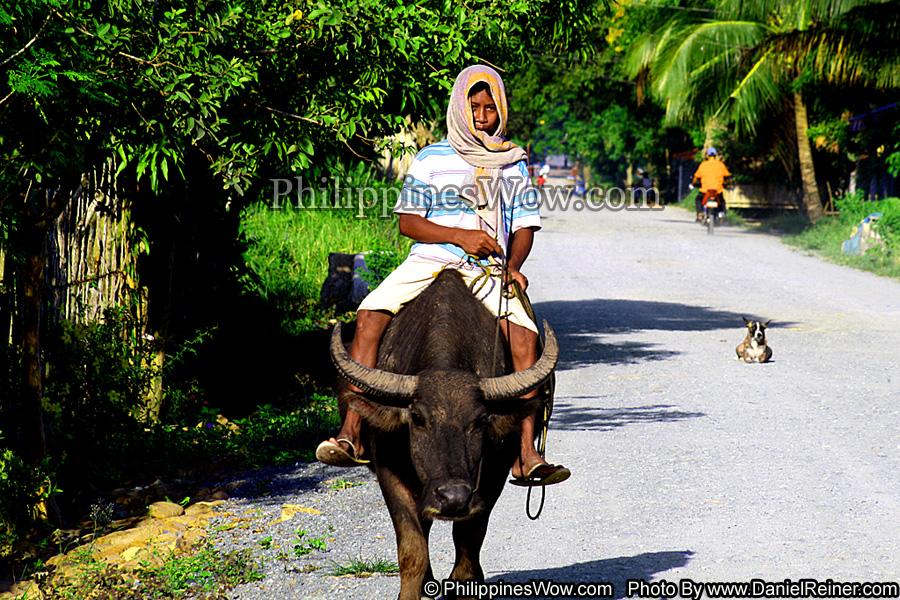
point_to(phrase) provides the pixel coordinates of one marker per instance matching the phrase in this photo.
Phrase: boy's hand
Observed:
(517, 276)
(478, 243)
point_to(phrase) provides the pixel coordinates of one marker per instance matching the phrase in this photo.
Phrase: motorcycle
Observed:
(711, 215)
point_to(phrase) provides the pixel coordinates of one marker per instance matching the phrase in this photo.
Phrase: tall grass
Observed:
(288, 248)
(826, 238)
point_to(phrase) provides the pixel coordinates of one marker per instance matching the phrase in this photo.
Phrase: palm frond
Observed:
(697, 63)
(640, 54)
(638, 60)
(845, 57)
(759, 93)
(822, 12)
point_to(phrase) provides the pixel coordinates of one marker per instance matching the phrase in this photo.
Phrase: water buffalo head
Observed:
(449, 415)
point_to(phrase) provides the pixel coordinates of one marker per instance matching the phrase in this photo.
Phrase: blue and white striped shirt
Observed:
(431, 189)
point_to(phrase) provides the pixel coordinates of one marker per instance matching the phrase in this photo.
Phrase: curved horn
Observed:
(369, 380)
(514, 385)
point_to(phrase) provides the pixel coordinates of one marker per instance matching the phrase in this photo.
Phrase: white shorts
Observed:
(416, 273)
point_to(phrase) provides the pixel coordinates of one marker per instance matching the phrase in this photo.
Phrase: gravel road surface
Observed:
(687, 464)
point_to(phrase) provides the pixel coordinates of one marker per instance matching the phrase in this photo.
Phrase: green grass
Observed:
(279, 436)
(303, 545)
(204, 572)
(343, 484)
(361, 567)
(288, 253)
(825, 239)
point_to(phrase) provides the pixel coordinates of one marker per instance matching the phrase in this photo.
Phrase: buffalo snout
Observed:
(452, 500)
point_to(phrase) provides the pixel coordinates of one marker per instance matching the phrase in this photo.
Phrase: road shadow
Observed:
(582, 350)
(581, 418)
(616, 571)
(580, 325)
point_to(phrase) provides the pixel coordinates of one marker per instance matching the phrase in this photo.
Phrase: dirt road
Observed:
(687, 464)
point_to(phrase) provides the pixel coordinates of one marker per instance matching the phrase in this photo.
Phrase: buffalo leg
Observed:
(468, 536)
(412, 536)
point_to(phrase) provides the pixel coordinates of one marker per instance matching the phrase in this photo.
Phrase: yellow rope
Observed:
(497, 269)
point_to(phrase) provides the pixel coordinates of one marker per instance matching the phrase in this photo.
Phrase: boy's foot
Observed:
(339, 453)
(539, 472)
(542, 474)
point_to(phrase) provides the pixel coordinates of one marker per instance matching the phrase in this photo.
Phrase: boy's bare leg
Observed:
(523, 347)
(370, 327)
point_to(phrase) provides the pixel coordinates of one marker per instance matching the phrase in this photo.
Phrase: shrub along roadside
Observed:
(825, 238)
(98, 374)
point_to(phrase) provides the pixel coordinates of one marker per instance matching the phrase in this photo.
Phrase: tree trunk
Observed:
(153, 402)
(811, 196)
(6, 307)
(33, 440)
(712, 129)
(29, 415)
(161, 299)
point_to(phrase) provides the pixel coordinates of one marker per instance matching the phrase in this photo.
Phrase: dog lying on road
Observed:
(754, 347)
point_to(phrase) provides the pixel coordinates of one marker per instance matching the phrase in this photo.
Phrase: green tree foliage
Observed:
(745, 61)
(240, 82)
(587, 108)
(194, 102)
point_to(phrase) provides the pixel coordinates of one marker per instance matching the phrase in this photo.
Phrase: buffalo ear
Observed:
(379, 416)
(506, 422)
(504, 425)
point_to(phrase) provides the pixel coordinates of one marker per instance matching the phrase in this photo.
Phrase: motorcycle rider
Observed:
(712, 174)
(542, 175)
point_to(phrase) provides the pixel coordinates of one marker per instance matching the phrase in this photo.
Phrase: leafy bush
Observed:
(827, 236)
(853, 210)
(22, 490)
(280, 436)
(93, 398)
(98, 379)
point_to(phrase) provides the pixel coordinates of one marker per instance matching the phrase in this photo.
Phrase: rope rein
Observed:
(505, 295)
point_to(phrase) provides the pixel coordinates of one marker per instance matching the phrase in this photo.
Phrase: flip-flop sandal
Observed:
(332, 454)
(542, 474)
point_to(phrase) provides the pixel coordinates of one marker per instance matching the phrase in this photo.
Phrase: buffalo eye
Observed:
(417, 419)
(479, 424)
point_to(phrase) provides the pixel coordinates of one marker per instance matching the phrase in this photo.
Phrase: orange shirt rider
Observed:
(712, 173)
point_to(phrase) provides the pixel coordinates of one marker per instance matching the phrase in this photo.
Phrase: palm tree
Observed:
(746, 61)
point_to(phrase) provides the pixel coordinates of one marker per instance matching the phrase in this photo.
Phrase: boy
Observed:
(465, 201)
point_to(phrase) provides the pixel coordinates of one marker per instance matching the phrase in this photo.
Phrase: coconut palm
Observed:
(744, 62)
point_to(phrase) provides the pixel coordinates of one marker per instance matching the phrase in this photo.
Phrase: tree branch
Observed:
(30, 42)
(281, 112)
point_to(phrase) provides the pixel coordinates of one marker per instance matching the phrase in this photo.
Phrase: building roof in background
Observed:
(557, 160)
(873, 117)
